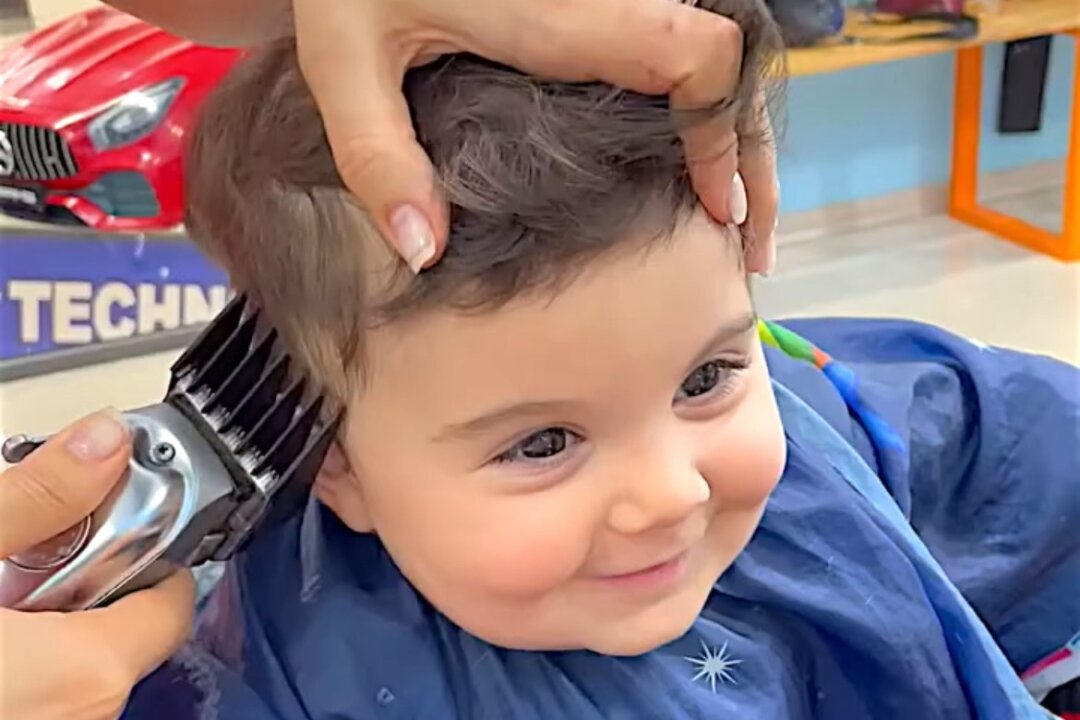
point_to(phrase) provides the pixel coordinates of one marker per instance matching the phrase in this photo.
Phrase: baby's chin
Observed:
(634, 641)
(626, 636)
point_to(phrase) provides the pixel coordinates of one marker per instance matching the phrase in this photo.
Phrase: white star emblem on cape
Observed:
(713, 665)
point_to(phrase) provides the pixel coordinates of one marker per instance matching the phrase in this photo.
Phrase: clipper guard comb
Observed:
(235, 445)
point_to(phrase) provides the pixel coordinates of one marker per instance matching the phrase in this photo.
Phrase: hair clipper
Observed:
(235, 445)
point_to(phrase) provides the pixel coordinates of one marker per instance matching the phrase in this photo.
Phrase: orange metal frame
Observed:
(964, 182)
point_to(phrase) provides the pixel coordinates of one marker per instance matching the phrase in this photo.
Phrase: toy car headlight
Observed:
(133, 116)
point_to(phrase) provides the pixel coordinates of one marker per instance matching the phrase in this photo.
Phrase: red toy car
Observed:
(94, 111)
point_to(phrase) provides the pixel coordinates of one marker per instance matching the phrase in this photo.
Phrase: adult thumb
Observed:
(61, 482)
(357, 85)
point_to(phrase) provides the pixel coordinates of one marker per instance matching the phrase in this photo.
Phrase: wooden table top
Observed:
(1013, 20)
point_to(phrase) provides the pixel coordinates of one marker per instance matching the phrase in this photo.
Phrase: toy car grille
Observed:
(36, 153)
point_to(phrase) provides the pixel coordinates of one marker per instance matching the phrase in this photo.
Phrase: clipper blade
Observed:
(269, 426)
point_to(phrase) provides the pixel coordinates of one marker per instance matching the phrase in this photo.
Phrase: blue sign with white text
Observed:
(67, 291)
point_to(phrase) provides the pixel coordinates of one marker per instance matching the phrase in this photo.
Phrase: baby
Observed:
(572, 481)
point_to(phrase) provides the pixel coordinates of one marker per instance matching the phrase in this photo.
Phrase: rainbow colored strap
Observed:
(841, 376)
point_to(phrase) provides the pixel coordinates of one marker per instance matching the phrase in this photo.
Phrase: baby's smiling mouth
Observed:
(658, 576)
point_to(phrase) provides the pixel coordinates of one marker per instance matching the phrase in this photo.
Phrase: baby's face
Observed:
(576, 472)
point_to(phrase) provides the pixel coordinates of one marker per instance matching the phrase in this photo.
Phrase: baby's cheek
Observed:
(746, 454)
(526, 546)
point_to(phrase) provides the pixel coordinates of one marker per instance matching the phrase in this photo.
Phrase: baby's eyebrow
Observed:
(728, 331)
(490, 420)
(546, 408)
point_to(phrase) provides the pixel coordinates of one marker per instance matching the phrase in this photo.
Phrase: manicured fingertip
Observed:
(412, 236)
(739, 206)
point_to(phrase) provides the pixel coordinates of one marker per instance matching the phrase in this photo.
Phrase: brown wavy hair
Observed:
(541, 176)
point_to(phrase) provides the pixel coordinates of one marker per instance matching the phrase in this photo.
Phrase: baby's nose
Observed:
(658, 496)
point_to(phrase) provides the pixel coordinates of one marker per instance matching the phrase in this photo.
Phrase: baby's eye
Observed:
(709, 377)
(541, 446)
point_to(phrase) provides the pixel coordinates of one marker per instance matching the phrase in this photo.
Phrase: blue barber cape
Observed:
(882, 582)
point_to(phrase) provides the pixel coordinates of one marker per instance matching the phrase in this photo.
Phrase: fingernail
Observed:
(770, 266)
(739, 205)
(413, 238)
(98, 437)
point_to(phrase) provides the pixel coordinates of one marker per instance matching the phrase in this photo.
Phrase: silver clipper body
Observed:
(235, 445)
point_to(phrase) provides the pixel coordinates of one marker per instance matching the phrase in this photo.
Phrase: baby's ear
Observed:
(339, 488)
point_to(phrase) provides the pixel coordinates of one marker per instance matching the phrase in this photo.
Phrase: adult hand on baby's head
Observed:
(354, 56)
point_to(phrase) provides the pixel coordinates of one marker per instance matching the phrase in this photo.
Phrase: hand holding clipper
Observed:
(237, 442)
(78, 666)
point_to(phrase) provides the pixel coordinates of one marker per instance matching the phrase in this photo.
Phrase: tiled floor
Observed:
(931, 269)
(936, 270)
